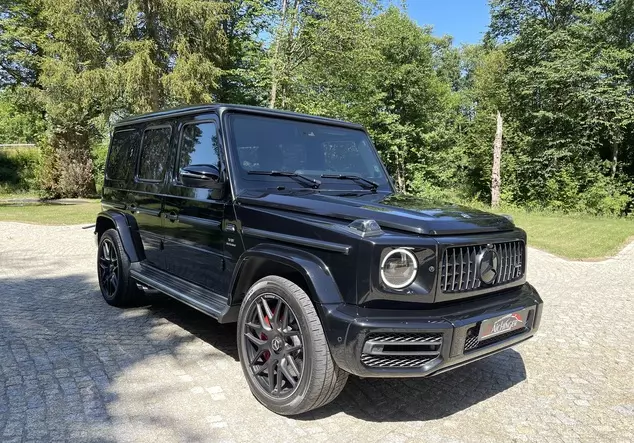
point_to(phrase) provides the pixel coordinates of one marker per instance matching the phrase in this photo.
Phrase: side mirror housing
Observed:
(201, 176)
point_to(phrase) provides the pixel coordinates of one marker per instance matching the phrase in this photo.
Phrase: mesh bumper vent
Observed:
(400, 350)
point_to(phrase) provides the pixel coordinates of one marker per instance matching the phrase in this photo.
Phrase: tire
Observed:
(319, 379)
(120, 290)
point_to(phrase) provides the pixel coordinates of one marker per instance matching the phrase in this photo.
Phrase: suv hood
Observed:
(393, 211)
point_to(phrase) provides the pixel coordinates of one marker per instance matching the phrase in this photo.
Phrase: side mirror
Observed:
(201, 176)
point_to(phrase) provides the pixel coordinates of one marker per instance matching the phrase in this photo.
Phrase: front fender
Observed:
(128, 232)
(322, 288)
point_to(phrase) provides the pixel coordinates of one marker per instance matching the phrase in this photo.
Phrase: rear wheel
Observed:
(113, 269)
(283, 350)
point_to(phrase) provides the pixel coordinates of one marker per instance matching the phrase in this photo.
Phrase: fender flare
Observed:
(322, 288)
(128, 231)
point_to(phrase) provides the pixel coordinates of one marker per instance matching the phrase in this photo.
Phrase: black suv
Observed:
(289, 225)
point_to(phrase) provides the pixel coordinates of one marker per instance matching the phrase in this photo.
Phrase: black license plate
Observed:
(503, 324)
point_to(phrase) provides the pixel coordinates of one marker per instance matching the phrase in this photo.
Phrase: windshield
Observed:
(318, 151)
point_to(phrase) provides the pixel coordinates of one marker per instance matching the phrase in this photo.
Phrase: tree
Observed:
(568, 80)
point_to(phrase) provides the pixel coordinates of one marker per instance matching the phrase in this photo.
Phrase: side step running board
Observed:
(192, 295)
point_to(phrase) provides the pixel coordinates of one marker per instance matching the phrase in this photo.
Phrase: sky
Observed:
(465, 20)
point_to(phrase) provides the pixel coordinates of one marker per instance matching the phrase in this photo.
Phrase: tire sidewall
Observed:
(293, 401)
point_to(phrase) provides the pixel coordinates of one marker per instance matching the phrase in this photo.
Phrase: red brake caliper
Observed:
(263, 336)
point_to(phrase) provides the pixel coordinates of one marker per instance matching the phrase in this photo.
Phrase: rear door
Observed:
(194, 241)
(146, 197)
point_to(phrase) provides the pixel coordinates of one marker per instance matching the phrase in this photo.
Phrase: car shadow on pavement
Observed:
(375, 399)
(431, 398)
(220, 336)
(381, 400)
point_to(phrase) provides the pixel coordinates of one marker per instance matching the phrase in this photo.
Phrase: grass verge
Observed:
(51, 214)
(576, 237)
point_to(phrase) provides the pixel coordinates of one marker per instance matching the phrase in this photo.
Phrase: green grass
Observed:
(51, 214)
(576, 237)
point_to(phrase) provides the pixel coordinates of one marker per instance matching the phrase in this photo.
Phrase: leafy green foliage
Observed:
(559, 72)
(18, 169)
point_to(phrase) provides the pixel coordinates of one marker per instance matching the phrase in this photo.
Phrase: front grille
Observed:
(458, 267)
(400, 350)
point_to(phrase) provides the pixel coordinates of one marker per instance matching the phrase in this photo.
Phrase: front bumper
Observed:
(398, 343)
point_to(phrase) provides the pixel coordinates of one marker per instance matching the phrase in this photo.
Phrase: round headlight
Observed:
(398, 268)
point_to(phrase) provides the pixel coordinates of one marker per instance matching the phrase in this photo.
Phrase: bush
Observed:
(18, 169)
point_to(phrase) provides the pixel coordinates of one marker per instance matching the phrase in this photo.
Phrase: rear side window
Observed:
(199, 146)
(154, 150)
(123, 148)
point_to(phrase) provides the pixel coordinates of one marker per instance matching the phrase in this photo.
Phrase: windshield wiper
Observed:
(314, 183)
(372, 185)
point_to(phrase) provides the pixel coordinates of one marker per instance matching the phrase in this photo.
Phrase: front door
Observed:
(145, 200)
(194, 246)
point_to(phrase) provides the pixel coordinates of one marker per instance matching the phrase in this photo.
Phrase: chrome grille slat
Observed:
(468, 267)
(458, 267)
(453, 268)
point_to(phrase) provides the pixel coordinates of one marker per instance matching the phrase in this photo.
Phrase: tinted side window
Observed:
(199, 146)
(123, 148)
(156, 144)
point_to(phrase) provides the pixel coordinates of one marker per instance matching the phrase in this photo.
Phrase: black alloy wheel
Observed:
(113, 271)
(109, 271)
(275, 349)
(283, 350)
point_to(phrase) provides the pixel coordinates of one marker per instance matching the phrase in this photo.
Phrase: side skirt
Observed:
(207, 302)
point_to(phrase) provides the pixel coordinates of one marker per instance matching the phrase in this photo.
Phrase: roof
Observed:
(225, 107)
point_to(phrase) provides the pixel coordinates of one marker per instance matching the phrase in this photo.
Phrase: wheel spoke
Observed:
(267, 309)
(279, 380)
(293, 365)
(285, 319)
(115, 282)
(271, 375)
(258, 355)
(291, 333)
(260, 369)
(261, 318)
(109, 286)
(256, 327)
(256, 341)
(287, 375)
(276, 315)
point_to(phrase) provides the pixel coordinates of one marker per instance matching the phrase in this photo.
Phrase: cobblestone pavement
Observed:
(74, 368)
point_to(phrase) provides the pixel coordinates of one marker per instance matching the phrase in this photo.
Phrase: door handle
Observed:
(172, 216)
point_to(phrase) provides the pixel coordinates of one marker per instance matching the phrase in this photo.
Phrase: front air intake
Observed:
(400, 350)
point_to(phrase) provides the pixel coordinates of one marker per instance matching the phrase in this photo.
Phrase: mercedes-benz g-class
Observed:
(290, 225)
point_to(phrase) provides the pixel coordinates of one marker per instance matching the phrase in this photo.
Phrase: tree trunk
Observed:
(496, 180)
(615, 157)
(276, 55)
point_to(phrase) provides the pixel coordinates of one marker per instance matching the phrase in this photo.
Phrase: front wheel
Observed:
(283, 349)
